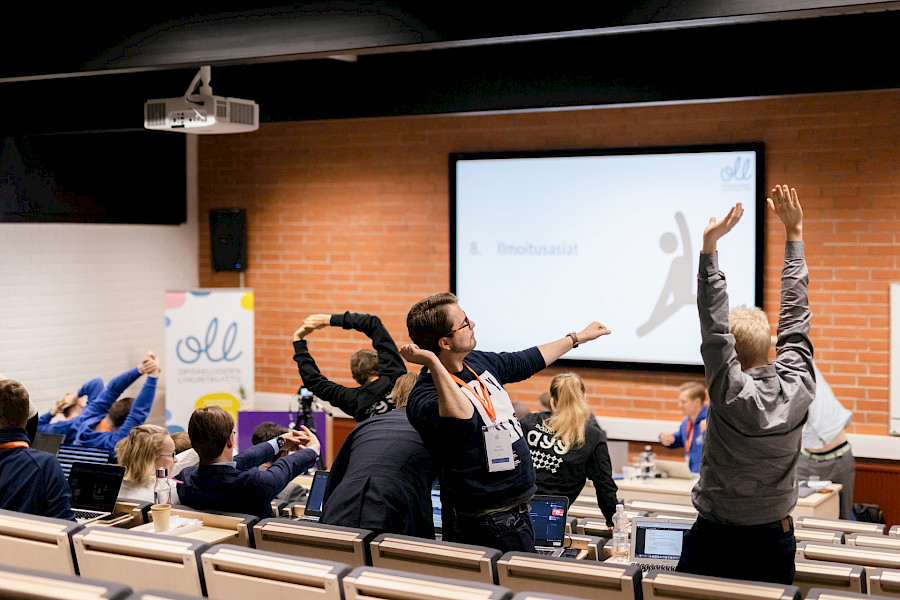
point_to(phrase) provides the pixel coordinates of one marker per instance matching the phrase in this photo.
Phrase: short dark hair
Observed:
(363, 364)
(428, 321)
(118, 412)
(210, 428)
(267, 431)
(14, 404)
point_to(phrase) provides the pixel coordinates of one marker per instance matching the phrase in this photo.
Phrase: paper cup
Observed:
(161, 514)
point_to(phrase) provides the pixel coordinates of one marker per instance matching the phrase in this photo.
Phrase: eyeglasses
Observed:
(465, 324)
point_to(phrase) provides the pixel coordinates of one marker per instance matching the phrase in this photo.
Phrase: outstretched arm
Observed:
(451, 400)
(553, 350)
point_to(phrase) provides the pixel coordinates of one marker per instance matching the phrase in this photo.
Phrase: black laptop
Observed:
(94, 490)
(316, 497)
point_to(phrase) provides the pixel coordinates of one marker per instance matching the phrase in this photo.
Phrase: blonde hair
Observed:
(567, 420)
(402, 387)
(752, 335)
(138, 452)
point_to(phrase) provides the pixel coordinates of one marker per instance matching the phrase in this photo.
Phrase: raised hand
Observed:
(318, 321)
(716, 229)
(786, 205)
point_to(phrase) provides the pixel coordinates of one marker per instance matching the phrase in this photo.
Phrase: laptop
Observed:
(316, 497)
(48, 442)
(69, 455)
(94, 490)
(548, 515)
(678, 469)
(656, 542)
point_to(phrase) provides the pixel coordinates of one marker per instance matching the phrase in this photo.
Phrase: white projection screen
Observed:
(545, 243)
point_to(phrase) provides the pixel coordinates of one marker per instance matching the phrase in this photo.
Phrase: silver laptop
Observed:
(69, 455)
(548, 515)
(316, 497)
(94, 490)
(656, 542)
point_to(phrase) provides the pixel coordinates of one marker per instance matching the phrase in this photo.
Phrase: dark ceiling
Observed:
(78, 70)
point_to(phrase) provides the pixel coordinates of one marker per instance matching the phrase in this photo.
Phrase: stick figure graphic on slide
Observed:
(678, 284)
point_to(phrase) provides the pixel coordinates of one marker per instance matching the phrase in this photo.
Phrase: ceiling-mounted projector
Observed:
(198, 111)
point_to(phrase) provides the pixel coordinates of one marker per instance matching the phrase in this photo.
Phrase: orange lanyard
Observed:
(484, 398)
(690, 436)
(9, 445)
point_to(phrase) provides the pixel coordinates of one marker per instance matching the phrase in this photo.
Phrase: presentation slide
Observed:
(546, 245)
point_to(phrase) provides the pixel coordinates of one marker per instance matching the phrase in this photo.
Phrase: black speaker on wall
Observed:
(228, 235)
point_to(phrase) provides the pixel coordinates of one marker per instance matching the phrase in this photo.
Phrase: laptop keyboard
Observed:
(86, 515)
(648, 567)
(546, 551)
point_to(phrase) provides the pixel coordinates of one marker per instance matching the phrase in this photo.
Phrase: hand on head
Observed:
(412, 353)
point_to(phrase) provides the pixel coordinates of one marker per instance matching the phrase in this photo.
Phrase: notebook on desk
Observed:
(94, 490)
(316, 497)
(548, 515)
(656, 542)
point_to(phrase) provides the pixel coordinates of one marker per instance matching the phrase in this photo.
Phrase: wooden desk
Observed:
(210, 535)
(678, 491)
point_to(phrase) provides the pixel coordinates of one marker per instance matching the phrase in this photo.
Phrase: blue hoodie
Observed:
(84, 434)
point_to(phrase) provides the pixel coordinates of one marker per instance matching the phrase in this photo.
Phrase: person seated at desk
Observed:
(31, 481)
(568, 447)
(231, 483)
(146, 448)
(690, 435)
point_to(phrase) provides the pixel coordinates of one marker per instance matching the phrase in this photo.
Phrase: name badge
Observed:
(498, 448)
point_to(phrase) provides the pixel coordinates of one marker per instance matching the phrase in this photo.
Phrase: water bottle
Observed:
(620, 535)
(162, 493)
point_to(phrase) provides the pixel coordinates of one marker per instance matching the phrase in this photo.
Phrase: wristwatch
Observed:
(280, 441)
(575, 342)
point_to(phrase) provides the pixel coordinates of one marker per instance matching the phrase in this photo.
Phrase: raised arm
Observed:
(117, 385)
(390, 363)
(451, 400)
(553, 350)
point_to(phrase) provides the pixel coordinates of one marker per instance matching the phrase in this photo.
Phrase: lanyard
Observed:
(690, 436)
(484, 398)
(9, 445)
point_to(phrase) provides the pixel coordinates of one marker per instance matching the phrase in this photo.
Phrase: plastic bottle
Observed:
(620, 535)
(162, 493)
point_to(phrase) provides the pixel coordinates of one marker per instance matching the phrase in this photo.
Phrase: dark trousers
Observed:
(754, 552)
(506, 530)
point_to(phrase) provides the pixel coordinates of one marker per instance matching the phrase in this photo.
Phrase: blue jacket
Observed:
(243, 488)
(91, 389)
(696, 450)
(32, 481)
(94, 412)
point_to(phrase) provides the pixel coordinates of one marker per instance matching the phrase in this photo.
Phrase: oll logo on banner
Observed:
(210, 333)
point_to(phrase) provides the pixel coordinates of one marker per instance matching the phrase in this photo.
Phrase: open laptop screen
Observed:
(657, 538)
(316, 494)
(548, 515)
(95, 487)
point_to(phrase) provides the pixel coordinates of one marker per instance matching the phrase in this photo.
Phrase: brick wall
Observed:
(353, 214)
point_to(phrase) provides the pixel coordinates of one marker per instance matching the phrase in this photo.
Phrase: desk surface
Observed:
(678, 491)
(210, 535)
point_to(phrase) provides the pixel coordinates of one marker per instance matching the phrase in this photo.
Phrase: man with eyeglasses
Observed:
(466, 419)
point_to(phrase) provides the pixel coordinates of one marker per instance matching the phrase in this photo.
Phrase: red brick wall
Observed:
(354, 215)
